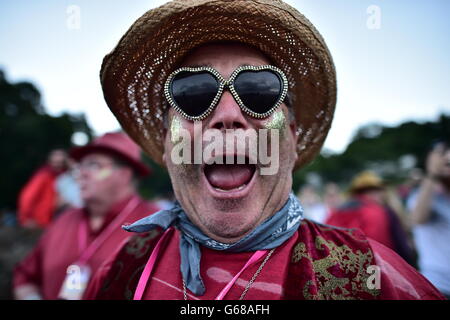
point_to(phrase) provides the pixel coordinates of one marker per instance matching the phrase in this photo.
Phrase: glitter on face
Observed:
(175, 128)
(103, 174)
(277, 121)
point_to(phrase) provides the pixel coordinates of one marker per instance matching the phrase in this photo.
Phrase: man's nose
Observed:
(228, 114)
(82, 173)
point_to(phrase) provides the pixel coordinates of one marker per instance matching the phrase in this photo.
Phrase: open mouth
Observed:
(229, 177)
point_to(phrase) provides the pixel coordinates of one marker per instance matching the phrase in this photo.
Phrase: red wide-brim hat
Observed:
(116, 144)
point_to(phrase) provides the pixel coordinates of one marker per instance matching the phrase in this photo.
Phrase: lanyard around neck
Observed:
(149, 266)
(253, 259)
(143, 280)
(88, 251)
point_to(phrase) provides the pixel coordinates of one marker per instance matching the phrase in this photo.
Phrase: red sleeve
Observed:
(29, 194)
(400, 281)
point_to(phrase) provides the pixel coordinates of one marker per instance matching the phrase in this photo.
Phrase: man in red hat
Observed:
(78, 241)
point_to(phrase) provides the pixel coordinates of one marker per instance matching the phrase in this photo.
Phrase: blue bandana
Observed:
(270, 234)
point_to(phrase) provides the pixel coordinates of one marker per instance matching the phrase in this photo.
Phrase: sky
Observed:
(391, 56)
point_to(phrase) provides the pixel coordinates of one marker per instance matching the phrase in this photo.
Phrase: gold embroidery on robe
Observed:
(353, 264)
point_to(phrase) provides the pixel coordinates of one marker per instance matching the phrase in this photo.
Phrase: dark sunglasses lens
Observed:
(258, 90)
(193, 92)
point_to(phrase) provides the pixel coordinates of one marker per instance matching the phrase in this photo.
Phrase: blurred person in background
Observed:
(412, 182)
(401, 226)
(313, 206)
(429, 208)
(79, 240)
(38, 200)
(332, 197)
(67, 188)
(317, 207)
(368, 210)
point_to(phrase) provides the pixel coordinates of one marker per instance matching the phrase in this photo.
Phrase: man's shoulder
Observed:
(69, 218)
(399, 280)
(343, 263)
(329, 262)
(318, 240)
(339, 235)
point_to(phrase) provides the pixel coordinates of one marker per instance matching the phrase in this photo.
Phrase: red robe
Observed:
(317, 262)
(366, 215)
(37, 200)
(60, 244)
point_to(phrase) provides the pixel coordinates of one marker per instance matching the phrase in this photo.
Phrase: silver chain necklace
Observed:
(249, 284)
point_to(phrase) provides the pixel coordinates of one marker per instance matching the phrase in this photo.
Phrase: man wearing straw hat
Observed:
(183, 78)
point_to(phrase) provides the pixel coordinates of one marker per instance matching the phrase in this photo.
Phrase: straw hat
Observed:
(117, 144)
(366, 180)
(133, 74)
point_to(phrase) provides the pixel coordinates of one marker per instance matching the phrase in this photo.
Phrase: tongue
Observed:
(228, 176)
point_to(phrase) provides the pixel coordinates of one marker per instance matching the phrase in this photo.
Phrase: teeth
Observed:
(235, 189)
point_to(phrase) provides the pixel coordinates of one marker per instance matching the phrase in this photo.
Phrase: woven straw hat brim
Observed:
(134, 73)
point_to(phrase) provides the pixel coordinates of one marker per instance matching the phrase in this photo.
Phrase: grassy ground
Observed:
(15, 243)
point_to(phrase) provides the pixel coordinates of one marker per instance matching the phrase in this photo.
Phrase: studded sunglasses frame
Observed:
(227, 84)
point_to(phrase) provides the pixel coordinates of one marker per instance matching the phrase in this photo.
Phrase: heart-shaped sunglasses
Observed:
(195, 91)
